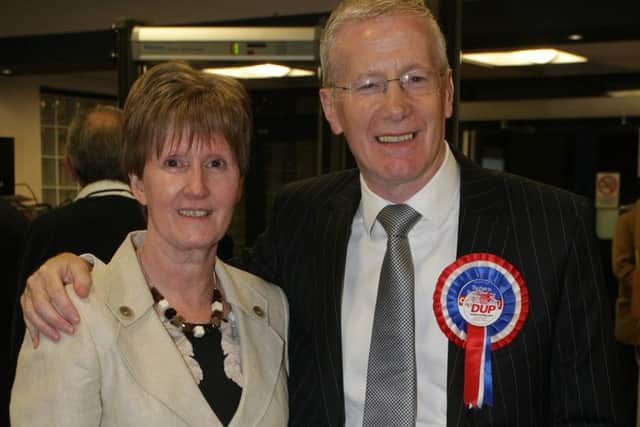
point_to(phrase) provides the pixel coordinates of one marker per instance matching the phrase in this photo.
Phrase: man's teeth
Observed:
(394, 138)
(193, 212)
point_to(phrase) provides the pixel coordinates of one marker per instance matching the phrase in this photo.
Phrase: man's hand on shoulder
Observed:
(45, 303)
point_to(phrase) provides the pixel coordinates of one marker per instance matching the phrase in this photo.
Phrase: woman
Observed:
(170, 335)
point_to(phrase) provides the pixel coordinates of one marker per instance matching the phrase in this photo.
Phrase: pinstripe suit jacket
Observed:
(559, 370)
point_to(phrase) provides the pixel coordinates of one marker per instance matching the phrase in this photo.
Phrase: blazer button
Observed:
(126, 312)
(258, 311)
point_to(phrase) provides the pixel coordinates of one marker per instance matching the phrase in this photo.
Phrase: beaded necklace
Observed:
(196, 330)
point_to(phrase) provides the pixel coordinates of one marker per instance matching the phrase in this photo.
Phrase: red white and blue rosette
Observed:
(480, 303)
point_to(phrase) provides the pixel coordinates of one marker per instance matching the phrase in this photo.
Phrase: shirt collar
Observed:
(105, 187)
(433, 201)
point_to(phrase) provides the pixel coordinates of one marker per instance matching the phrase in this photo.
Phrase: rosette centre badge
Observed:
(480, 303)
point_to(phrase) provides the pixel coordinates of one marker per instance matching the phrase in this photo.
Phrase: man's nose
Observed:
(395, 99)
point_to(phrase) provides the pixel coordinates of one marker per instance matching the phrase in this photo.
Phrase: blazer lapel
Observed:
(480, 229)
(145, 346)
(333, 225)
(261, 347)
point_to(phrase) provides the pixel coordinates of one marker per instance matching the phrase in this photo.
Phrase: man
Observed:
(624, 259)
(101, 215)
(624, 256)
(388, 89)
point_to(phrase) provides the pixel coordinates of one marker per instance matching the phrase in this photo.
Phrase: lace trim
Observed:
(230, 342)
(231, 349)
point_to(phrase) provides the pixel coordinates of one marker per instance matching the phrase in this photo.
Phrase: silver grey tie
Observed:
(391, 374)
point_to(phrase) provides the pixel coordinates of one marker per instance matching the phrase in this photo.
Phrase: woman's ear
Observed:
(137, 188)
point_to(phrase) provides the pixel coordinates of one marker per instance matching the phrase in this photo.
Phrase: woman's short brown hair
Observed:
(172, 101)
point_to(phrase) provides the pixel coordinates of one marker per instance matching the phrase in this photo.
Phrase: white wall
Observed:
(20, 117)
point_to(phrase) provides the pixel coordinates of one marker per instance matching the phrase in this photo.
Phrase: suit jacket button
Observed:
(258, 311)
(126, 312)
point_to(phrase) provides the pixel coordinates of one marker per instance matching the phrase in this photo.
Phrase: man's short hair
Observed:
(94, 144)
(360, 10)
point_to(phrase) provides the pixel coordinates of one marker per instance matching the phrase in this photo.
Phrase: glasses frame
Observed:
(403, 82)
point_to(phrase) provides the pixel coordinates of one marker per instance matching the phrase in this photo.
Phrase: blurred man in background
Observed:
(99, 218)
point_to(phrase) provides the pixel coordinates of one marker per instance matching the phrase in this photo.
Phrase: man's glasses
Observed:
(412, 82)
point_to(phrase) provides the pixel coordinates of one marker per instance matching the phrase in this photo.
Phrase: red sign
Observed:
(607, 189)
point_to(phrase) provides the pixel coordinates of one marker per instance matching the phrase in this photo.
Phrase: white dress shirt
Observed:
(433, 242)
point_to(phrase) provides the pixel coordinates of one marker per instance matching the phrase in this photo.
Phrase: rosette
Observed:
(480, 303)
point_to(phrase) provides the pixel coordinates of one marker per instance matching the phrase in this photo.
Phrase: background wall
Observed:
(20, 118)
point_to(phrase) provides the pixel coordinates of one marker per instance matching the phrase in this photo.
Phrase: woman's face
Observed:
(190, 194)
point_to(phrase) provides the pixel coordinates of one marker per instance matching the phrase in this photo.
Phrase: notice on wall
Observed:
(607, 189)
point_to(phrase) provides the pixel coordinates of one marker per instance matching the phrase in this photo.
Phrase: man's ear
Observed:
(68, 164)
(329, 107)
(448, 96)
(137, 188)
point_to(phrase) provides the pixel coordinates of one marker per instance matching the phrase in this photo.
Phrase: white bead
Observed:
(198, 331)
(163, 304)
(216, 306)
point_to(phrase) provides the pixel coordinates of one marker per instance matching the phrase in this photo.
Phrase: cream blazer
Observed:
(121, 367)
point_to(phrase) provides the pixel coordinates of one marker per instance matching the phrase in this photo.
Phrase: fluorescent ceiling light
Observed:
(517, 58)
(624, 93)
(230, 34)
(260, 71)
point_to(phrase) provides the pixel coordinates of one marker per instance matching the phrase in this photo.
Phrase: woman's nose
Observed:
(196, 183)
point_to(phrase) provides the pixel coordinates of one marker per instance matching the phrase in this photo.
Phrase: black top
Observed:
(222, 394)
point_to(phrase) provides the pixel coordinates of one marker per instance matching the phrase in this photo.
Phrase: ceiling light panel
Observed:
(519, 58)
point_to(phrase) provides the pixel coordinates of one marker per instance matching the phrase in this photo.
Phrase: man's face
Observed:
(396, 136)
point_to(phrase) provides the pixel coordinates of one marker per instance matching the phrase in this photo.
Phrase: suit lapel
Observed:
(481, 204)
(333, 225)
(261, 346)
(481, 228)
(145, 346)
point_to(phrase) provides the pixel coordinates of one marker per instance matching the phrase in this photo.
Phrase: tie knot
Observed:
(398, 220)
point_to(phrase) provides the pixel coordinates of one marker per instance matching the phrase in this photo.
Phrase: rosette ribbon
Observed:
(480, 303)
